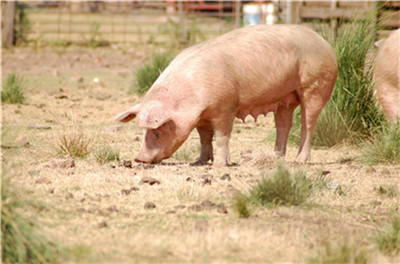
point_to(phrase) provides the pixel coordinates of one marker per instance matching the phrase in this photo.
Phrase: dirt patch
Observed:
(170, 212)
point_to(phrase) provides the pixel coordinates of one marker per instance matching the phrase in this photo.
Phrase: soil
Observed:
(169, 212)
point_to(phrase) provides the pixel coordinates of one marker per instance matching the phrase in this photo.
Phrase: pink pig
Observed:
(387, 76)
(248, 71)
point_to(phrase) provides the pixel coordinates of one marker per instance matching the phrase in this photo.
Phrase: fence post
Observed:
(293, 11)
(238, 7)
(334, 20)
(8, 22)
(182, 21)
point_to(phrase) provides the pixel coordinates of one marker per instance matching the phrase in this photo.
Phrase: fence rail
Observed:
(156, 22)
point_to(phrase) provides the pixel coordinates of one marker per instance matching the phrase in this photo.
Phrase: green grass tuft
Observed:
(149, 72)
(385, 147)
(21, 241)
(74, 142)
(281, 189)
(342, 254)
(12, 92)
(107, 154)
(241, 205)
(390, 191)
(388, 241)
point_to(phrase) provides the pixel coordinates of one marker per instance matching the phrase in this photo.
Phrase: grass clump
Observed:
(21, 241)
(241, 205)
(74, 143)
(384, 148)
(390, 191)
(342, 254)
(388, 241)
(149, 72)
(281, 189)
(107, 154)
(12, 92)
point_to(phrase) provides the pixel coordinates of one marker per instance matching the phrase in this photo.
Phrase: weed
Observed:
(281, 189)
(241, 205)
(21, 241)
(342, 254)
(107, 154)
(388, 241)
(12, 92)
(149, 72)
(74, 142)
(182, 35)
(94, 39)
(390, 191)
(22, 24)
(385, 146)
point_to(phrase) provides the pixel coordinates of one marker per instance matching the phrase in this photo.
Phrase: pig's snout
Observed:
(144, 159)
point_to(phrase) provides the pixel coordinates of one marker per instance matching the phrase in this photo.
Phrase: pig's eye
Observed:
(157, 134)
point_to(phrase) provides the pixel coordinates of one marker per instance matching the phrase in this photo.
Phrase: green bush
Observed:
(281, 189)
(389, 240)
(149, 72)
(12, 92)
(107, 154)
(21, 241)
(385, 146)
(241, 205)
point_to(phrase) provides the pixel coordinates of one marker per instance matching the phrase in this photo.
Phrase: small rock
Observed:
(325, 172)
(63, 163)
(226, 177)
(370, 169)
(149, 205)
(190, 179)
(171, 212)
(221, 208)
(127, 164)
(114, 128)
(128, 191)
(51, 191)
(103, 224)
(113, 208)
(195, 208)
(43, 180)
(61, 96)
(33, 172)
(207, 205)
(69, 196)
(149, 180)
(206, 181)
(181, 206)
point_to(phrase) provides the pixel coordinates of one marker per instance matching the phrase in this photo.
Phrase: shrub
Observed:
(107, 154)
(281, 189)
(149, 72)
(389, 240)
(241, 205)
(12, 92)
(21, 241)
(385, 146)
(390, 191)
(74, 142)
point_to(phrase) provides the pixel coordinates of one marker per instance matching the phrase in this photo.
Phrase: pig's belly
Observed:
(259, 108)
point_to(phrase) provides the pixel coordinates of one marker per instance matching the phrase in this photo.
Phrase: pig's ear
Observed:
(128, 115)
(154, 115)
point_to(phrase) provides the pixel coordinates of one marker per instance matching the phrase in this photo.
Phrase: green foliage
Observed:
(390, 191)
(385, 147)
(281, 189)
(182, 35)
(74, 143)
(12, 92)
(388, 241)
(107, 154)
(149, 72)
(341, 254)
(241, 205)
(22, 24)
(187, 153)
(94, 39)
(21, 241)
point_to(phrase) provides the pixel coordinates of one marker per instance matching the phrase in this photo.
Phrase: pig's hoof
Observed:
(198, 163)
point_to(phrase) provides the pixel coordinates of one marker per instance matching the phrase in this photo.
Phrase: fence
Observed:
(155, 22)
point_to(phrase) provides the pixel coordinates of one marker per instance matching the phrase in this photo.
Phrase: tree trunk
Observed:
(7, 23)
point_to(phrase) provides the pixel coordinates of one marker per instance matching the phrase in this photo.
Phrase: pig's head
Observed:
(163, 136)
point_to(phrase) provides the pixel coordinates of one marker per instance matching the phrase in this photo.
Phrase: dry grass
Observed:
(97, 211)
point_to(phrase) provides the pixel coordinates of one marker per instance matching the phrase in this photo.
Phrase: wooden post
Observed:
(334, 20)
(293, 12)
(8, 23)
(182, 21)
(238, 7)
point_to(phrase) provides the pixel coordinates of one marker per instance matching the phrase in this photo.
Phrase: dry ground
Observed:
(90, 210)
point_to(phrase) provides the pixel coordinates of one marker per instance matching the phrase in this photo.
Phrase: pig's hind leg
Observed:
(283, 123)
(206, 135)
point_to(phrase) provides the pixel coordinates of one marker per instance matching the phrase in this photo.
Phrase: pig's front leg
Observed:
(222, 130)
(206, 136)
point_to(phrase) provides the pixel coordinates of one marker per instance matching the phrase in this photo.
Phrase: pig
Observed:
(387, 76)
(248, 71)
